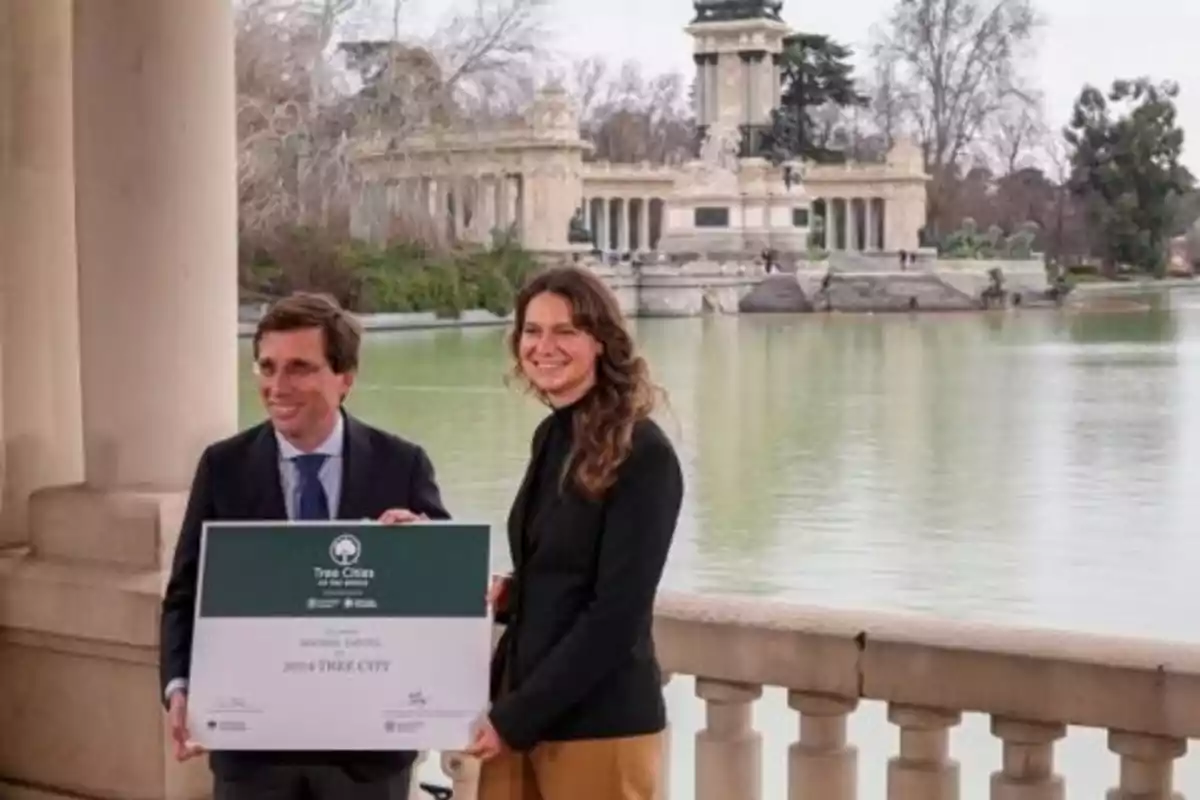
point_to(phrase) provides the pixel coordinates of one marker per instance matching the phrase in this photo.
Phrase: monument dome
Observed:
(725, 10)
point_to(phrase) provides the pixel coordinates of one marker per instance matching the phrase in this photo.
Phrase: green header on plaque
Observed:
(419, 570)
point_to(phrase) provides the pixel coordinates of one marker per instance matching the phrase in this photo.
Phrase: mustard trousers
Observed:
(588, 769)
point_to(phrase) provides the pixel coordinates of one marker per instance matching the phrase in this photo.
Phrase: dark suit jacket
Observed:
(238, 480)
(577, 658)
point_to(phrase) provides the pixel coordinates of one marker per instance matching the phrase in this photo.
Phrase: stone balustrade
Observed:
(602, 169)
(1032, 684)
(864, 170)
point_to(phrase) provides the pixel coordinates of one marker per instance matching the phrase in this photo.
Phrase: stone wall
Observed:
(895, 291)
(687, 290)
(940, 286)
(970, 276)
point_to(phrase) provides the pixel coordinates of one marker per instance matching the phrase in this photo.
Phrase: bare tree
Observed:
(1068, 234)
(887, 101)
(312, 85)
(1015, 135)
(630, 117)
(957, 63)
(283, 89)
(588, 82)
(496, 38)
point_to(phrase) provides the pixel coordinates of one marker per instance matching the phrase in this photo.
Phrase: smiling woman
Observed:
(557, 358)
(576, 685)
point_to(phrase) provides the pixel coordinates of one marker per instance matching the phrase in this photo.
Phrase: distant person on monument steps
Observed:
(310, 460)
(577, 706)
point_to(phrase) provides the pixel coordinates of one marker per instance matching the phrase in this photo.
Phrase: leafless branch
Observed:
(957, 62)
(956, 65)
(497, 35)
(1015, 135)
(312, 81)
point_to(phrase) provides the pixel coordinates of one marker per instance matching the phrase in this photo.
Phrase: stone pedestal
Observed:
(79, 652)
(743, 211)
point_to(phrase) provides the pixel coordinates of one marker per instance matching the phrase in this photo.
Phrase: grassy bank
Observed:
(395, 278)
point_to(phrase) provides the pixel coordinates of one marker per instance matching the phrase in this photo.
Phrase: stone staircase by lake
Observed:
(856, 292)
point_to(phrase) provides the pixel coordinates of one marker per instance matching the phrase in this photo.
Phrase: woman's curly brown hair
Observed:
(624, 393)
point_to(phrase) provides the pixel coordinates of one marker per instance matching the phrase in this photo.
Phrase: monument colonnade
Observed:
(633, 221)
(852, 223)
(624, 224)
(467, 207)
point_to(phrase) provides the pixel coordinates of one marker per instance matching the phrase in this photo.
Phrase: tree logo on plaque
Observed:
(345, 550)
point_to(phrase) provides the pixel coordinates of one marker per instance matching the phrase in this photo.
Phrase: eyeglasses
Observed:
(292, 370)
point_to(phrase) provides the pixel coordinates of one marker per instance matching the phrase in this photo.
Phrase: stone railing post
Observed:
(1147, 765)
(1028, 760)
(728, 750)
(463, 772)
(414, 783)
(923, 770)
(821, 764)
(664, 774)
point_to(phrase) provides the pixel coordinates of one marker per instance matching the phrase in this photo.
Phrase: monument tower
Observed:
(738, 47)
(730, 201)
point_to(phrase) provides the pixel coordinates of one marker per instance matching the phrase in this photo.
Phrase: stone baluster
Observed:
(664, 772)
(821, 765)
(728, 750)
(1027, 772)
(414, 783)
(463, 772)
(923, 770)
(644, 225)
(1147, 765)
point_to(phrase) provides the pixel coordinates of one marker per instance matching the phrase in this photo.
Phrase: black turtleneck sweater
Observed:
(546, 467)
(578, 657)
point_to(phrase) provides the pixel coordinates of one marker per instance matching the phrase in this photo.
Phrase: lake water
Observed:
(1035, 467)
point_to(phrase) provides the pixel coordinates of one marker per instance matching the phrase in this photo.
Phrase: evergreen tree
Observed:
(816, 73)
(1125, 167)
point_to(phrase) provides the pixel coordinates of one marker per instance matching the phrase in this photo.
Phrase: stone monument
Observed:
(721, 10)
(730, 200)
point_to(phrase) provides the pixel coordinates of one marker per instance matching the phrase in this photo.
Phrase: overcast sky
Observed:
(1083, 41)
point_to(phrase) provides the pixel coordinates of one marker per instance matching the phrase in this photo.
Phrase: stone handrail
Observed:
(425, 144)
(1033, 683)
(862, 171)
(603, 169)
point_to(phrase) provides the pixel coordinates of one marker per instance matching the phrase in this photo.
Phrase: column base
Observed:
(16, 791)
(79, 680)
(126, 529)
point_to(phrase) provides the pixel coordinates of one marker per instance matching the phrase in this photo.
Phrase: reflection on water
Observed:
(1034, 467)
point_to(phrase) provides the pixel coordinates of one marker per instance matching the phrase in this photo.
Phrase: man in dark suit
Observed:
(309, 460)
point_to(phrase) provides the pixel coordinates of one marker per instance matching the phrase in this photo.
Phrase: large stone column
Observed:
(155, 212)
(623, 225)
(644, 225)
(157, 216)
(41, 412)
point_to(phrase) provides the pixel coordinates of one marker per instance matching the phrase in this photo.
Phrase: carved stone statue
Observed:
(994, 294)
(720, 147)
(716, 170)
(577, 232)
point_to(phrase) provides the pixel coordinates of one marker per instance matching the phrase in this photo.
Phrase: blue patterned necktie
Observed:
(314, 505)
